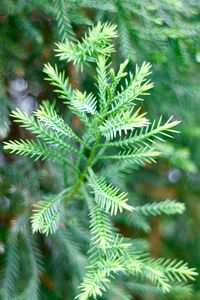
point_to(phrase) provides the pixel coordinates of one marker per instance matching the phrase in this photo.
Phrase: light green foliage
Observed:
(168, 207)
(150, 134)
(83, 103)
(96, 42)
(109, 197)
(114, 128)
(122, 123)
(47, 115)
(59, 81)
(46, 217)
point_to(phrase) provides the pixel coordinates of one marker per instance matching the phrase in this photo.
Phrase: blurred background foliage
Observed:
(162, 32)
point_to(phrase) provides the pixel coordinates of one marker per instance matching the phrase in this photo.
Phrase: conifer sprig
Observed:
(168, 207)
(108, 196)
(113, 122)
(46, 215)
(93, 44)
(59, 81)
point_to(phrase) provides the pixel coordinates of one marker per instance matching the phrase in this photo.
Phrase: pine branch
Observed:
(102, 80)
(136, 87)
(83, 103)
(116, 78)
(59, 81)
(137, 156)
(35, 267)
(98, 279)
(108, 196)
(109, 115)
(162, 272)
(36, 150)
(122, 123)
(51, 137)
(101, 229)
(11, 268)
(177, 271)
(151, 271)
(97, 41)
(48, 116)
(46, 215)
(149, 134)
(63, 22)
(168, 207)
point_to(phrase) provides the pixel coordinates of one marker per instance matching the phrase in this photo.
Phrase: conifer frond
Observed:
(103, 235)
(108, 196)
(63, 22)
(163, 273)
(97, 280)
(47, 114)
(123, 122)
(11, 268)
(177, 270)
(117, 77)
(34, 268)
(176, 291)
(151, 271)
(134, 88)
(106, 255)
(137, 156)
(168, 207)
(83, 102)
(99, 273)
(102, 80)
(101, 229)
(108, 115)
(96, 42)
(46, 215)
(150, 134)
(51, 137)
(35, 149)
(59, 81)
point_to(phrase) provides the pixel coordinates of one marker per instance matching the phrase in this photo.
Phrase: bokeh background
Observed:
(165, 33)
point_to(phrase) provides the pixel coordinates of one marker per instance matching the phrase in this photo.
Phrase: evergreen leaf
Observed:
(108, 196)
(168, 207)
(46, 215)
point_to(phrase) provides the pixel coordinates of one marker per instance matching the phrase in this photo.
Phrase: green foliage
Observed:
(108, 197)
(46, 217)
(10, 269)
(168, 207)
(20, 236)
(96, 42)
(112, 119)
(59, 81)
(63, 22)
(122, 123)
